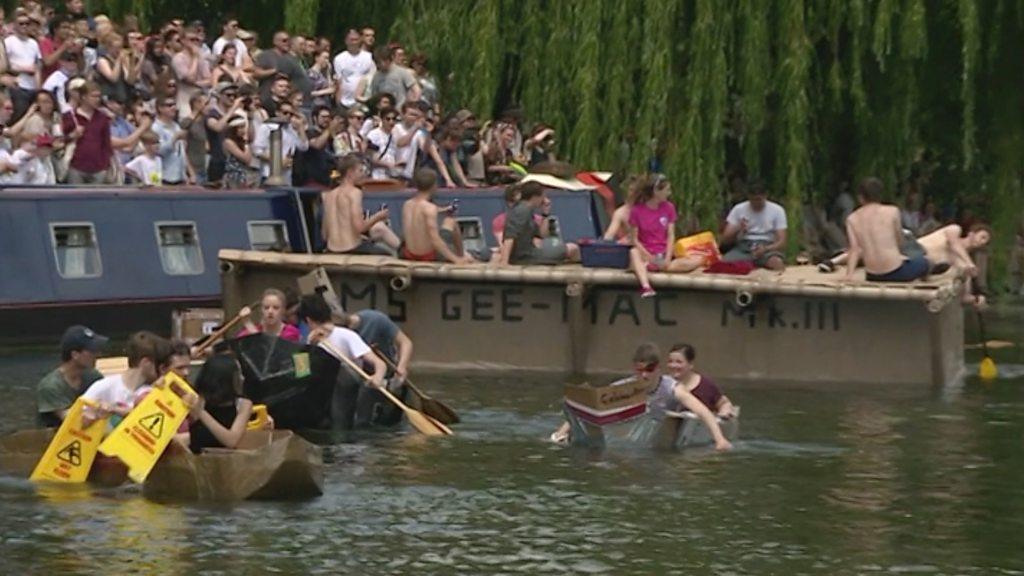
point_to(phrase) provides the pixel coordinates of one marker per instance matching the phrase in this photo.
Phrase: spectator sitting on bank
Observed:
(875, 236)
(393, 79)
(758, 227)
(652, 230)
(424, 239)
(521, 228)
(147, 168)
(450, 145)
(345, 229)
(538, 148)
(498, 155)
(349, 141)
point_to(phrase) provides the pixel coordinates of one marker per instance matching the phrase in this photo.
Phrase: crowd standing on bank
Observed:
(86, 100)
(82, 96)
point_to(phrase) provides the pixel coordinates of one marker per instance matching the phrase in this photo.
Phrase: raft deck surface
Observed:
(802, 325)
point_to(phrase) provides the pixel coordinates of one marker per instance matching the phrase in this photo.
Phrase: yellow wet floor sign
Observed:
(142, 436)
(70, 454)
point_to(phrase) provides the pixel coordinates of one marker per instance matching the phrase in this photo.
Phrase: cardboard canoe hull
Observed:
(267, 465)
(645, 429)
(20, 452)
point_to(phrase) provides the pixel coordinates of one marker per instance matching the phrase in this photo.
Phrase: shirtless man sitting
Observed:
(345, 229)
(945, 248)
(875, 235)
(425, 241)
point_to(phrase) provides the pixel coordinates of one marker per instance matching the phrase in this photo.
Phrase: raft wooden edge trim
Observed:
(936, 296)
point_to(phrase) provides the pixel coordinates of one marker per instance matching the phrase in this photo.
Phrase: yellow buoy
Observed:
(70, 454)
(987, 370)
(144, 434)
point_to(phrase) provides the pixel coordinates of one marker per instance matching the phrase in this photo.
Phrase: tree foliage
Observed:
(807, 95)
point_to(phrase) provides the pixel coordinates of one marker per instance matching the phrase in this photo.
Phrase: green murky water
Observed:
(843, 480)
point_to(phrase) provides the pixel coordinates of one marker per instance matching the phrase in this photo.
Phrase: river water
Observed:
(839, 480)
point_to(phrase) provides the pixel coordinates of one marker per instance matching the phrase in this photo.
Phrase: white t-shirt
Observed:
(54, 84)
(150, 171)
(290, 143)
(220, 43)
(386, 151)
(22, 53)
(347, 342)
(111, 390)
(31, 170)
(349, 70)
(408, 152)
(761, 226)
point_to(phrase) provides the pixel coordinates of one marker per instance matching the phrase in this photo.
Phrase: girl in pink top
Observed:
(652, 227)
(272, 318)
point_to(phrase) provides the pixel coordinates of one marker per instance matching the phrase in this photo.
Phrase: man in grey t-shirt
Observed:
(393, 79)
(522, 227)
(279, 60)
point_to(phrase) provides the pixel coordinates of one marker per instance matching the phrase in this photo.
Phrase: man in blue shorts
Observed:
(875, 235)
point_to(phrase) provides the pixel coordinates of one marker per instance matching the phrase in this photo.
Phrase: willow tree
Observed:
(807, 95)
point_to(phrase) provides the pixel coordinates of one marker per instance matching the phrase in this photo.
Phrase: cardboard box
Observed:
(318, 282)
(193, 323)
(603, 398)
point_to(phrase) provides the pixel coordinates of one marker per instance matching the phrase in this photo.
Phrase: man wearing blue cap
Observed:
(59, 389)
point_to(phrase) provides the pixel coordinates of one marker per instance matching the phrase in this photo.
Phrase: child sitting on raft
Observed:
(652, 220)
(645, 364)
(685, 389)
(272, 318)
(220, 415)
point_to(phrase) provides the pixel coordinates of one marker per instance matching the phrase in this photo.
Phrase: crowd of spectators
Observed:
(86, 100)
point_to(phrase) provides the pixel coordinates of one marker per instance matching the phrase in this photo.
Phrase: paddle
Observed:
(421, 422)
(431, 406)
(987, 370)
(242, 315)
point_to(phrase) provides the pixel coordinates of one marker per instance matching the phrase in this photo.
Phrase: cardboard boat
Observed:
(267, 465)
(20, 452)
(617, 416)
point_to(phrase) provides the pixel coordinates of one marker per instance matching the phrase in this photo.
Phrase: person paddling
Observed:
(59, 389)
(685, 389)
(115, 394)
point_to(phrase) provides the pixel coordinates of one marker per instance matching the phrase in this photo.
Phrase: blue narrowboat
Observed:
(121, 259)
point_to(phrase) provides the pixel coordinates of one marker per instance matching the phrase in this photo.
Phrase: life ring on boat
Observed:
(574, 289)
(400, 282)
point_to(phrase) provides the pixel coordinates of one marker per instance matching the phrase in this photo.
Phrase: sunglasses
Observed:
(390, 118)
(23, 22)
(169, 104)
(357, 117)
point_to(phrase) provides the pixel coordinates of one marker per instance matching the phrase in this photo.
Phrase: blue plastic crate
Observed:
(604, 254)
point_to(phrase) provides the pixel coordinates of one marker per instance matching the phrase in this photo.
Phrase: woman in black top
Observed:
(220, 416)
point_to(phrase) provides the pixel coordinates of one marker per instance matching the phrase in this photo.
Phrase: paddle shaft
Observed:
(383, 389)
(981, 328)
(242, 315)
(394, 367)
(432, 407)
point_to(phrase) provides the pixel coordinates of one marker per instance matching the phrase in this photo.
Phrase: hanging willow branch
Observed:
(968, 15)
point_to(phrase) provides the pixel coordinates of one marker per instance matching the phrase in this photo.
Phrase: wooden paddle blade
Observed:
(439, 411)
(423, 424)
(447, 431)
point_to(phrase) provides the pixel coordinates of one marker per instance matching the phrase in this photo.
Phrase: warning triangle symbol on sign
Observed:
(154, 423)
(72, 453)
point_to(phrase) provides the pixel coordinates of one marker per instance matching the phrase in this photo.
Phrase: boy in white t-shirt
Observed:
(758, 228)
(115, 395)
(147, 168)
(313, 309)
(32, 162)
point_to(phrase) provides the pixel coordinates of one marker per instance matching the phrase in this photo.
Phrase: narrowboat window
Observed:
(554, 227)
(180, 254)
(76, 250)
(269, 235)
(470, 228)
